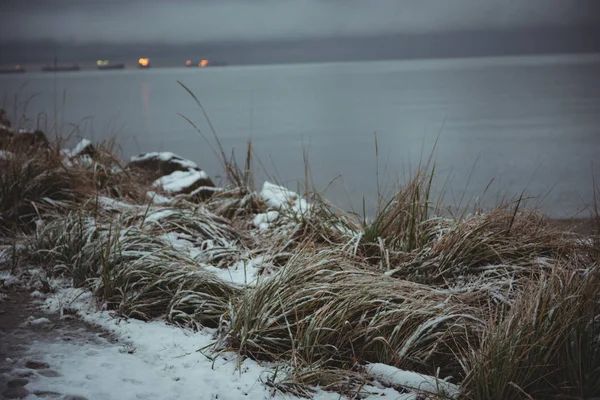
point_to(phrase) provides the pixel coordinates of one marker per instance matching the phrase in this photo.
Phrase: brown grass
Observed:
(504, 302)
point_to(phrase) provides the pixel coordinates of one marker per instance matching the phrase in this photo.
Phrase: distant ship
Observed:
(56, 68)
(15, 70)
(111, 66)
(205, 63)
(144, 62)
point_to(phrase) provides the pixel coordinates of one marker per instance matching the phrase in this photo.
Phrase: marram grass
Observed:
(500, 302)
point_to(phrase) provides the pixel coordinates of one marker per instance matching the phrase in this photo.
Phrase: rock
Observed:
(175, 175)
(6, 136)
(22, 140)
(83, 148)
(37, 364)
(49, 373)
(4, 121)
(36, 138)
(46, 394)
(17, 392)
(74, 397)
(5, 132)
(37, 321)
(24, 373)
(191, 181)
(161, 164)
(17, 382)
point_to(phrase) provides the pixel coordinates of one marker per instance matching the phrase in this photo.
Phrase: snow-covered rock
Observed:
(162, 163)
(413, 381)
(84, 147)
(192, 181)
(175, 175)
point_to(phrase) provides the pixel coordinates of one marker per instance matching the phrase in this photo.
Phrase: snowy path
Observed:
(95, 356)
(108, 358)
(115, 359)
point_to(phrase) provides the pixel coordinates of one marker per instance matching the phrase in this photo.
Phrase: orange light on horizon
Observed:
(188, 63)
(144, 62)
(203, 63)
(17, 66)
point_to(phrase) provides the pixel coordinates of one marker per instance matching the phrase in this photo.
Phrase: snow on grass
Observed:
(182, 242)
(205, 189)
(243, 272)
(263, 221)
(393, 376)
(278, 197)
(37, 321)
(157, 215)
(152, 360)
(113, 204)
(158, 198)
(5, 155)
(8, 280)
(165, 156)
(179, 180)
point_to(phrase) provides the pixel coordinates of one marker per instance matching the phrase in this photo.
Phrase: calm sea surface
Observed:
(506, 124)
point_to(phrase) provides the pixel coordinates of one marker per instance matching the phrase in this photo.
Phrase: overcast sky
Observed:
(186, 21)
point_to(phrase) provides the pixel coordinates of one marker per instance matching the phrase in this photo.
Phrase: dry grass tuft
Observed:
(546, 346)
(326, 310)
(36, 182)
(501, 242)
(405, 222)
(134, 272)
(30, 185)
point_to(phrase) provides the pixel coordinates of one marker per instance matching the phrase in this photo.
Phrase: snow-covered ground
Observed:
(154, 360)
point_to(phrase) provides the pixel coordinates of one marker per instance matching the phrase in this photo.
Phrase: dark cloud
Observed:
(183, 21)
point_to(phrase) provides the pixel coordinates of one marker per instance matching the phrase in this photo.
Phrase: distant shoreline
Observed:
(496, 60)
